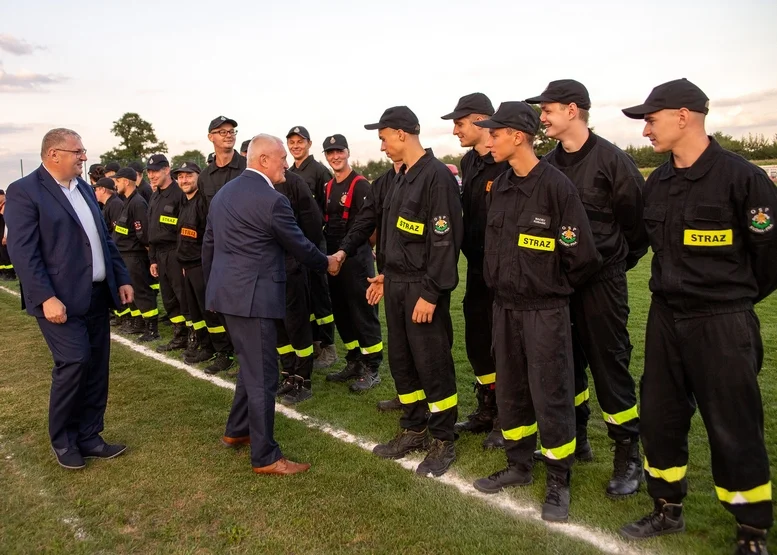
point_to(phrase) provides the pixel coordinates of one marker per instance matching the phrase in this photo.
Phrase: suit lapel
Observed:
(53, 187)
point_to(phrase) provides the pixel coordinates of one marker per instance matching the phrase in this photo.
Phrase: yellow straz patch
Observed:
(168, 220)
(716, 238)
(536, 243)
(122, 230)
(416, 228)
(186, 232)
(488, 186)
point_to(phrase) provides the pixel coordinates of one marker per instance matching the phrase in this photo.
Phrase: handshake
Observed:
(335, 262)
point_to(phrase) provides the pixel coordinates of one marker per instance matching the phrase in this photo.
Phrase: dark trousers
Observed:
(171, 285)
(79, 381)
(357, 322)
(478, 314)
(420, 360)
(295, 334)
(534, 384)
(600, 313)
(712, 361)
(253, 408)
(140, 276)
(201, 318)
(321, 304)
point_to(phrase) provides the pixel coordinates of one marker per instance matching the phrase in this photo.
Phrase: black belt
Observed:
(96, 284)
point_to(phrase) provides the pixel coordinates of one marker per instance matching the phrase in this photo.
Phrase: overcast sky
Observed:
(334, 66)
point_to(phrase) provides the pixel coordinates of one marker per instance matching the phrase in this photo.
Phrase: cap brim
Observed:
(372, 126)
(335, 147)
(539, 100)
(233, 122)
(490, 124)
(155, 167)
(639, 112)
(290, 133)
(184, 170)
(456, 114)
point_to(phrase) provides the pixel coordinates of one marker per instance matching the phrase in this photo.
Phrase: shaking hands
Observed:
(336, 262)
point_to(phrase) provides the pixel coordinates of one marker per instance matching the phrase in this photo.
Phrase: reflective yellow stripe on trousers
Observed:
(488, 379)
(285, 350)
(558, 453)
(755, 495)
(374, 349)
(445, 404)
(414, 397)
(517, 434)
(674, 474)
(581, 398)
(621, 417)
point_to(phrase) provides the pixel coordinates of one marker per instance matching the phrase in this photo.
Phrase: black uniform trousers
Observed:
(201, 318)
(357, 322)
(253, 407)
(712, 361)
(600, 314)
(145, 297)
(420, 360)
(534, 385)
(478, 314)
(171, 284)
(79, 386)
(295, 335)
(321, 317)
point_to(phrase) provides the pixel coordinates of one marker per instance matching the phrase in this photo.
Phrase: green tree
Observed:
(373, 168)
(137, 140)
(189, 156)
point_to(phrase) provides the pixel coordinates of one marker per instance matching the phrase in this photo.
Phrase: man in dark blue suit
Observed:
(250, 227)
(72, 275)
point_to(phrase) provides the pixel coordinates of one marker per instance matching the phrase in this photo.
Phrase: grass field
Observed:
(178, 491)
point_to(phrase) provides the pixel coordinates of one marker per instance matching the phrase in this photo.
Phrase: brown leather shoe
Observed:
(282, 466)
(235, 442)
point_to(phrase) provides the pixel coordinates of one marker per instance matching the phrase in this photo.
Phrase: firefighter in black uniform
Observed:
(316, 176)
(144, 188)
(356, 320)
(105, 191)
(131, 237)
(227, 163)
(538, 246)
(208, 339)
(710, 219)
(110, 169)
(163, 240)
(7, 273)
(420, 237)
(478, 173)
(244, 148)
(96, 172)
(295, 334)
(610, 187)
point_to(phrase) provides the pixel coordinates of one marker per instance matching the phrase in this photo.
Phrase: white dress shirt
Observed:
(267, 179)
(89, 226)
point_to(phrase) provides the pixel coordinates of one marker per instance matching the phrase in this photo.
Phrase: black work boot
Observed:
(482, 420)
(556, 506)
(352, 370)
(505, 478)
(406, 441)
(750, 541)
(439, 459)
(390, 405)
(134, 325)
(666, 518)
(368, 379)
(219, 363)
(179, 340)
(286, 385)
(152, 330)
(627, 469)
(192, 344)
(301, 391)
(495, 439)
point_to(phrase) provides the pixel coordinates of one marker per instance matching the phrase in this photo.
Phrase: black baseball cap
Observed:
(127, 173)
(335, 142)
(105, 182)
(94, 167)
(298, 130)
(565, 91)
(186, 167)
(398, 117)
(137, 166)
(112, 167)
(475, 103)
(244, 146)
(157, 162)
(517, 115)
(219, 121)
(673, 95)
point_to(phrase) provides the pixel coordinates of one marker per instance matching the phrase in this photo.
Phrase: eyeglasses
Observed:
(225, 133)
(78, 153)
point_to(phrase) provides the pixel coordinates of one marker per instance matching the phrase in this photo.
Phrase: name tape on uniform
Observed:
(122, 230)
(168, 220)
(715, 238)
(416, 228)
(536, 243)
(186, 232)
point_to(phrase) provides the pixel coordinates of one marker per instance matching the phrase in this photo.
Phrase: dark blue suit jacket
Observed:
(250, 227)
(49, 248)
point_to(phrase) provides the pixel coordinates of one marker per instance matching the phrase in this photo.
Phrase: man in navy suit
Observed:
(72, 275)
(250, 227)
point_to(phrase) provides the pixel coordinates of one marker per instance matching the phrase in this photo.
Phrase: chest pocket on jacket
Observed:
(708, 230)
(654, 216)
(411, 226)
(597, 201)
(533, 232)
(166, 217)
(121, 225)
(494, 225)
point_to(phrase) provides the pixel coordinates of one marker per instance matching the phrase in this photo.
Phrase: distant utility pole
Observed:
(21, 164)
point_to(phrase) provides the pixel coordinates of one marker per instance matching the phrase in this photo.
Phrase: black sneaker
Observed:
(221, 362)
(556, 506)
(301, 391)
(390, 405)
(351, 371)
(627, 470)
(495, 439)
(201, 355)
(505, 478)
(367, 380)
(439, 459)
(104, 451)
(666, 518)
(750, 541)
(152, 331)
(70, 459)
(286, 385)
(406, 441)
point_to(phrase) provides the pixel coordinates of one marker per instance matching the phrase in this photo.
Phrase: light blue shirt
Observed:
(85, 217)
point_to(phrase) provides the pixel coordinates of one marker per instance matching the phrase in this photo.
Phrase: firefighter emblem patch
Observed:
(441, 225)
(760, 220)
(568, 236)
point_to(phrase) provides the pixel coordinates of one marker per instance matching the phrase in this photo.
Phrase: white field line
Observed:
(604, 541)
